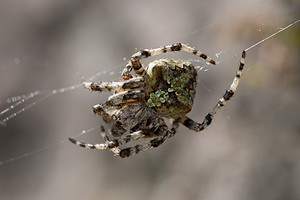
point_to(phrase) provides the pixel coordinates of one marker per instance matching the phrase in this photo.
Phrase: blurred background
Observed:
(251, 150)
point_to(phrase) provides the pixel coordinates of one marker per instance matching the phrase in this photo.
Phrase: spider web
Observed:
(15, 106)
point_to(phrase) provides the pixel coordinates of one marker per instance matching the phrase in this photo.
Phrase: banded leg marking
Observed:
(157, 141)
(126, 97)
(108, 145)
(195, 126)
(170, 48)
(137, 82)
(127, 152)
(140, 70)
(191, 124)
(233, 87)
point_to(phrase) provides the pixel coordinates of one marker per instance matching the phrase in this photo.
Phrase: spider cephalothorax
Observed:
(164, 89)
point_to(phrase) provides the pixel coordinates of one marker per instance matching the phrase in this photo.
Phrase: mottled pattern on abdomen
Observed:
(170, 86)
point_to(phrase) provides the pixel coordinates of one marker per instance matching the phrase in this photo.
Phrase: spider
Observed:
(140, 104)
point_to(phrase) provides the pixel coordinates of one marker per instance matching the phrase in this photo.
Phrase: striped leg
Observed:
(195, 126)
(159, 134)
(233, 87)
(175, 125)
(124, 97)
(157, 130)
(137, 82)
(180, 47)
(109, 144)
(113, 105)
(113, 145)
(139, 69)
(162, 133)
(191, 124)
(124, 140)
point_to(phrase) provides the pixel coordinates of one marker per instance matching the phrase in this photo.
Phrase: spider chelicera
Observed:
(140, 104)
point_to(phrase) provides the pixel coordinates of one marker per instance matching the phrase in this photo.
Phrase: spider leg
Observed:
(121, 141)
(133, 83)
(112, 106)
(110, 144)
(191, 124)
(159, 134)
(103, 134)
(195, 126)
(127, 152)
(175, 125)
(124, 140)
(107, 145)
(233, 87)
(125, 97)
(139, 69)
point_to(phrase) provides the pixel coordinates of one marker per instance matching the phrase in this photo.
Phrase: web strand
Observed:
(282, 29)
(26, 98)
(45, 148)
(41, 95)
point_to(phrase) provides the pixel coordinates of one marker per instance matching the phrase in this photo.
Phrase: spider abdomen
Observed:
(170, 86)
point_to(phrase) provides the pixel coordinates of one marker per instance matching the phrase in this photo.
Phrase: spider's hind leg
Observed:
(159, 133)
(195, 126)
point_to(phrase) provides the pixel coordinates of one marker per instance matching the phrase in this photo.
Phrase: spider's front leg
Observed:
(125, 97)
(136, 65)
(134, 62)
(137, 82)
(127, 92)
(159, 132)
